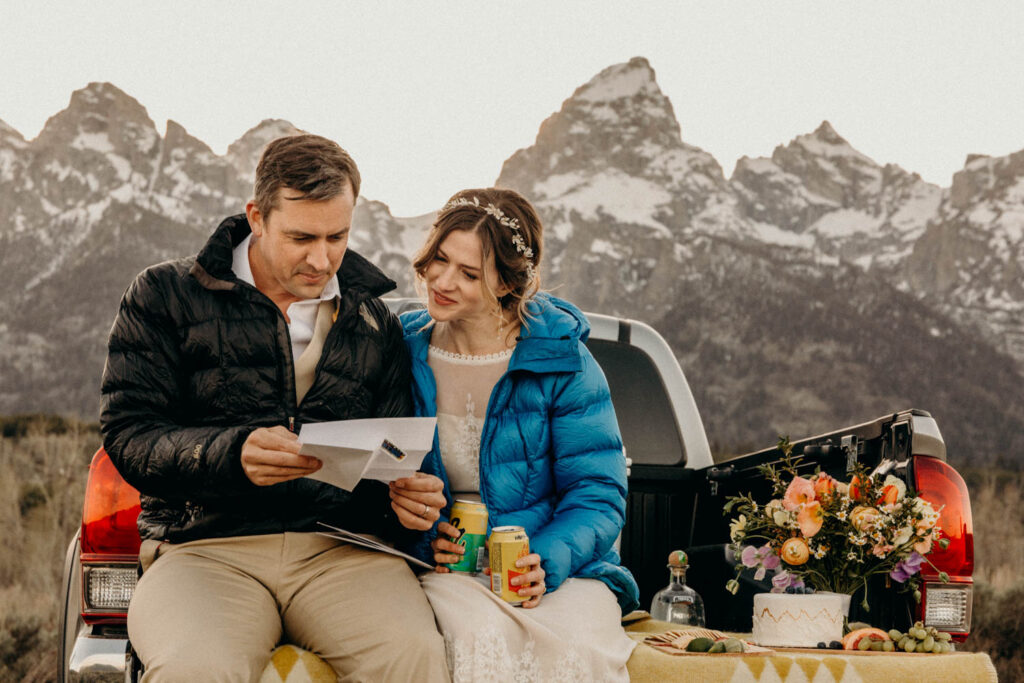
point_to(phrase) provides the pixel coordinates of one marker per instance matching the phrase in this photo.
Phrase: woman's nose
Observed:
(446, 278)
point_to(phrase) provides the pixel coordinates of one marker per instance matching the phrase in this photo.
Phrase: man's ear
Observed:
(252, 212)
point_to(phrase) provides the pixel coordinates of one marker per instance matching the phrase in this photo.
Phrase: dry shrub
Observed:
(998, 628)
(43, 467)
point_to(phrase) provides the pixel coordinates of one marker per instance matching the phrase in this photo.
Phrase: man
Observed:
(214, 362)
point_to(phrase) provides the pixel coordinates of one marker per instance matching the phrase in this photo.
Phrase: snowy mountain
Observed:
(809, 290)
(970, 261)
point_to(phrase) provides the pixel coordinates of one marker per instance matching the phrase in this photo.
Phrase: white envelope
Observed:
(383, 449)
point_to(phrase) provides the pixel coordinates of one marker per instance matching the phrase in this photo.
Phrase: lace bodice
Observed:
(464, 385)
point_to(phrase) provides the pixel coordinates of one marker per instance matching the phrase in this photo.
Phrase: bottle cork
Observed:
(677, 558)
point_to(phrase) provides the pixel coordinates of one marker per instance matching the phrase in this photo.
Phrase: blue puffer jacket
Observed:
(551, 456)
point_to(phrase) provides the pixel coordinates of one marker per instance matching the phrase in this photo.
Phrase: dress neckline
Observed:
(469, 359)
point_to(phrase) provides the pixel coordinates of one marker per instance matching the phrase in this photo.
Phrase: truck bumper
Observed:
(99, 658)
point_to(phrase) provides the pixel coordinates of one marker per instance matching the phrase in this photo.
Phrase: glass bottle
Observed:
(677, 603)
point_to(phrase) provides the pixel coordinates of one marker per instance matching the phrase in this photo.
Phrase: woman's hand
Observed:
(532, 581)
(417, 500)
(445, 550)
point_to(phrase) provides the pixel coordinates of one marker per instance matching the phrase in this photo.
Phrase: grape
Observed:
(937, 648)
(894, 634)
(888, 646)
(909, 645)
(864, 644)
(920, 647)
(945, 637)
(928, 642)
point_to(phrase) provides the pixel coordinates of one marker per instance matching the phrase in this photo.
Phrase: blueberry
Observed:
(822, 645)
(835, 645)
(790, 590)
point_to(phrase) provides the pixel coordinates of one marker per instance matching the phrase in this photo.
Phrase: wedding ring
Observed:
(426, 510)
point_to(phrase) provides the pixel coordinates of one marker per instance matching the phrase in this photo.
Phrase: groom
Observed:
(214, 363)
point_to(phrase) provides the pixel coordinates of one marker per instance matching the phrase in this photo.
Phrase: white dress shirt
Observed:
(302, 314)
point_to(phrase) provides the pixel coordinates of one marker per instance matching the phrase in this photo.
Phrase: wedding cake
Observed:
(784, 620)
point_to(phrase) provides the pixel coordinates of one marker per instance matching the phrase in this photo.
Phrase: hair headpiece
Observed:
(510, 223)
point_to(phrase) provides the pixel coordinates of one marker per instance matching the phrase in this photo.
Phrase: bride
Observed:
(525, 425)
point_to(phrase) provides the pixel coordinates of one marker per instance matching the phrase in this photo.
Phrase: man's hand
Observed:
(417, 500)
(271, 455)
(446, 551)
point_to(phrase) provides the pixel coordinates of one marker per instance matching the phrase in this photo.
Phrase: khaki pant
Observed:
(214, 609)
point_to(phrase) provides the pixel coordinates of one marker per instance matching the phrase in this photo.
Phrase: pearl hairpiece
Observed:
(510, 223)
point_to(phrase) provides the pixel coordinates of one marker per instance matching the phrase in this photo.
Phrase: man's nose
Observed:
(317, 257)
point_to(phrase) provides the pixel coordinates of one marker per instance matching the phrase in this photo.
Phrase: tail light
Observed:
(109, 543)
(947, 606)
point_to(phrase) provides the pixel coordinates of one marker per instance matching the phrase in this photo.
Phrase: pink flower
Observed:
(763, 558)
(783, 580)
(799, 491)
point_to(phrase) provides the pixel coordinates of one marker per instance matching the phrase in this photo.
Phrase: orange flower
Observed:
(795, 551)
(824, 486)
(862, 517)
(856, 488)
(799, 491)
(890, 494)
(810, 518)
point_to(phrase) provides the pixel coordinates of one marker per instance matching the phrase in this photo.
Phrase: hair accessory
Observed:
(510, 223)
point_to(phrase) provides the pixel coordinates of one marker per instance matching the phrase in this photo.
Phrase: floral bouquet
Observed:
(832, 535)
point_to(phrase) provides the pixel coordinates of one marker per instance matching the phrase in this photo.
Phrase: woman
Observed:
(525, 424)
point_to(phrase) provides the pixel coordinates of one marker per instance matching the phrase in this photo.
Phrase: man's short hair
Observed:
(312, 165)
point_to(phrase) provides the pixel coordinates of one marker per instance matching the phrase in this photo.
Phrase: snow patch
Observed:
(557, 185)
(99, 142)
(606, 248)
(122, 166)
(846, 222)
(771, 234)
(615, 83)
(124, 194)
(613, 194)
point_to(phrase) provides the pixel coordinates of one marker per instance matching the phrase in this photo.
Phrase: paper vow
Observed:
(384, 449)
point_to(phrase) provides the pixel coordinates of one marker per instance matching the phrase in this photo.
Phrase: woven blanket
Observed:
(290, 664)
(799, 666)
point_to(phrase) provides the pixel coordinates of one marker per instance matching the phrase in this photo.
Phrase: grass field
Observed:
(43, 467)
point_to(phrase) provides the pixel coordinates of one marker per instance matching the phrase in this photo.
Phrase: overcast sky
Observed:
(431, 97)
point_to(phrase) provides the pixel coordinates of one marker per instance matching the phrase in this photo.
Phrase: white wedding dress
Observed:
(574, 634)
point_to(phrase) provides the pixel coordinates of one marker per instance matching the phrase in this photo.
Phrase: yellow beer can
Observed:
(508, 544)
(470, 518)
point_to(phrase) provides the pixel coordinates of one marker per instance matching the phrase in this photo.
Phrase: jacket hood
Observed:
(549, 342)
(213, 263)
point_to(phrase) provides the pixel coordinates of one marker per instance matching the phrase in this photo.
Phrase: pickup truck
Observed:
(676, 498)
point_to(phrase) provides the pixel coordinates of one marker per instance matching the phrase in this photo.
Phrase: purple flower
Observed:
(763, 558)
(784, 579)
(907, 568)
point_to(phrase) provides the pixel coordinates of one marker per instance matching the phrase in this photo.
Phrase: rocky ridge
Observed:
(811, 289)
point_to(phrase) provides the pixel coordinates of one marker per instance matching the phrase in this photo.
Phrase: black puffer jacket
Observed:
(198, 360)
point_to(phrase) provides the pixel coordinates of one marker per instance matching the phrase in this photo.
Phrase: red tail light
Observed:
(109, 542)
(110, 512)
(947, 606)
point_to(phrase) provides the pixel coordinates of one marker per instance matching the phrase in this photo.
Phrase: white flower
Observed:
(903, 535)
(737, 527)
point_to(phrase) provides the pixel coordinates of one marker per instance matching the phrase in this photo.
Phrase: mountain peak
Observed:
(826, 133)
(620, 80)
(244, 153)
(11, 134)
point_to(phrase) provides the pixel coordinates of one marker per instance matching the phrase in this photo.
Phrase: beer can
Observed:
(508, 544)
(470, 518)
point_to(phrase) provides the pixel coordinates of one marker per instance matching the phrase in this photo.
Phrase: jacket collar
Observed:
(549, 342)
(213, 263)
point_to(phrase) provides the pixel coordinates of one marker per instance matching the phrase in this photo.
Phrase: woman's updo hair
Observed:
(509, 229)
